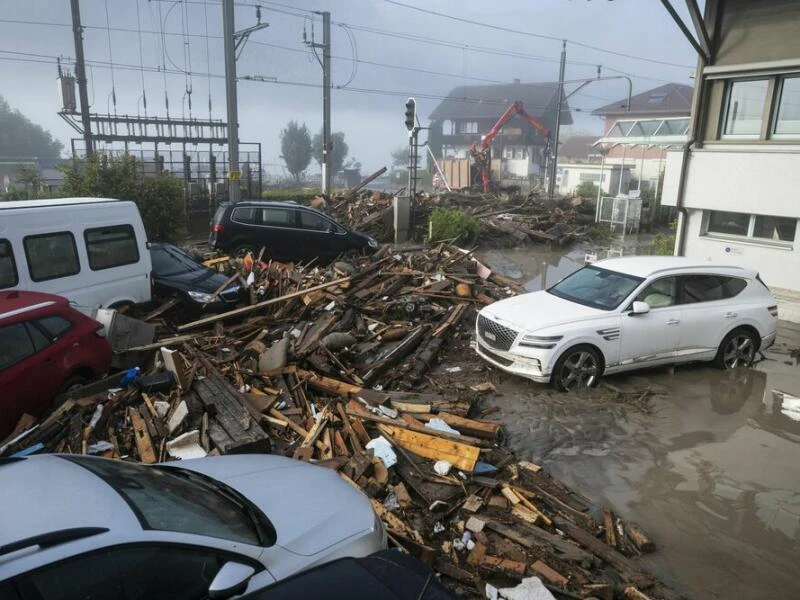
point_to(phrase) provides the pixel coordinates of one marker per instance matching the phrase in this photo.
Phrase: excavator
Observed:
(481, 153)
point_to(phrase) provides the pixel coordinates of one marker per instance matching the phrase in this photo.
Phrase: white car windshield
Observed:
(596, 287)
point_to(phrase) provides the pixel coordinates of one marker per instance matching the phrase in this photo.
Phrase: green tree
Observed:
(338, 152)
(586, 189)
(296, 148)
(159, 197)
(19, 137)
(400, 157)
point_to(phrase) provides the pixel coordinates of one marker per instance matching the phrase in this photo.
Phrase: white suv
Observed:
(626, 313)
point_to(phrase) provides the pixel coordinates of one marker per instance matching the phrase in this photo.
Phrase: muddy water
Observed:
(709, 466)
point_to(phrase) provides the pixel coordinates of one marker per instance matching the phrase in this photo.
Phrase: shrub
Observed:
(664, 244)
(586, 189)
(452, 224)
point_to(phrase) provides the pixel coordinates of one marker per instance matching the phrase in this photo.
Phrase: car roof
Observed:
(14, 303)
(274, 203)
(49, 493)
(647, 266)
(57, 202)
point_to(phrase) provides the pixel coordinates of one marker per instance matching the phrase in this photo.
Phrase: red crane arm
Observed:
(515, 108)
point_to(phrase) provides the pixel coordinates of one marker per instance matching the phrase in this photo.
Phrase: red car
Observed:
(46, 348)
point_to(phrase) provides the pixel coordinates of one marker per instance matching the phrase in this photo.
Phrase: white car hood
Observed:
(311, 507)
(538, 310)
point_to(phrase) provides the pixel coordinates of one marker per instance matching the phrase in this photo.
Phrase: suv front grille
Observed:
(494, 334)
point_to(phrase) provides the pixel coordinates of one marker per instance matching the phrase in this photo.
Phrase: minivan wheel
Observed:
(576, 369)
(738, 349)
(242, 251)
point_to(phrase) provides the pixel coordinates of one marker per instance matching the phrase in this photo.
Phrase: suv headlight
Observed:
(541, 342)
(201, 297)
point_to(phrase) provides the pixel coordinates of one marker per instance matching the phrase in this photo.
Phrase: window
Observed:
(661, 293)
(141, 572)
(38, 337)
(246, 216)
(596, 287)
(175, 499)
(313, 221)
(55, 326)
(728, 222)
(707, 288)
(109, 247)
(468, 127)
(8, 268)
(593, 177)
(51, 255)
(744, 111)
(657, 98)
(277, 217)
(15, 345)
(787, 115)
(781, 230)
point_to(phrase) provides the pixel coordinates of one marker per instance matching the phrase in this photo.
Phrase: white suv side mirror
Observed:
(639, 308)
(231, 579)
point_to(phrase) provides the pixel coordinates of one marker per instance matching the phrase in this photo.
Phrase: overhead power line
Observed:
(535, 35)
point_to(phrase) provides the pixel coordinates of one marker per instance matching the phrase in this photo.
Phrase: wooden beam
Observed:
(459, 455)
(248, 309)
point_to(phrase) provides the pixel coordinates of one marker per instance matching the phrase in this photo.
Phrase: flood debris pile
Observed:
(337, 366)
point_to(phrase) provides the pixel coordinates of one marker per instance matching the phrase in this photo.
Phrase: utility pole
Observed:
(554, 166)
(80, 75)
(234, 192)
(326, 95)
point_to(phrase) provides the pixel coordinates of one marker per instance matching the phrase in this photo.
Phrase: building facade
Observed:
(736, 182)
(469, 112)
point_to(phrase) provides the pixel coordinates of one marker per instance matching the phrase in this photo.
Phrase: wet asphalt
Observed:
(706, 461)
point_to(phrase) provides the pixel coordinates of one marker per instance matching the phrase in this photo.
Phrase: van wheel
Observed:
(242, 251)
(738, 349)
(576, 369)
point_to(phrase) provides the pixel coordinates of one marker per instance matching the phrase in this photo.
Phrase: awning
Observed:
(647, 132)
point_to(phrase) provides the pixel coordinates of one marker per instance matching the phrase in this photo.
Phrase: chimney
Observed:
(516, 81)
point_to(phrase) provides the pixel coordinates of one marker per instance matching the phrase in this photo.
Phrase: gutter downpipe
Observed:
(683, 213)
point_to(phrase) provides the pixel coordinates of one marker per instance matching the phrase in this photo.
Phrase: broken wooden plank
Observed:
(144, 445)
(459, 455)
(468, 426)
(549, 573)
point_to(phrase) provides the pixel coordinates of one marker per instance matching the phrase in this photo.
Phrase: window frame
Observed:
(13, 264)
(122, 226)
(769, 117)
(43, 235)
(748, 238)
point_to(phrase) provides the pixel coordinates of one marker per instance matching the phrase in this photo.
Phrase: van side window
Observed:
(8, 268)
(278, 217)
(109, 247)
(244, 215)
(51, 255)
(314, 222)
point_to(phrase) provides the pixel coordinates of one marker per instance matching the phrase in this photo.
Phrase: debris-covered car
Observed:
(285, 230)
(177, 274)
(46, 348)
(625, 313)
(88, 527)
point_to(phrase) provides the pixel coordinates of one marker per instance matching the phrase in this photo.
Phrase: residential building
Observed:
(607, 177)
(672, 101)
(469, 112)
(735, 183)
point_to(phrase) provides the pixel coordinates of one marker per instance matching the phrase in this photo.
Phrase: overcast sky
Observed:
(368, 99)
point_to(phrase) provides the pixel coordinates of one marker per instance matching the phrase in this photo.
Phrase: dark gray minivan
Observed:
(286, 230)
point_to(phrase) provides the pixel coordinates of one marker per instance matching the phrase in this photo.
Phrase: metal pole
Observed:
(326, 102)
(553, 166)
(621, 170)
(600, 189)
(80, 75)
(641, 169)
(234, 193)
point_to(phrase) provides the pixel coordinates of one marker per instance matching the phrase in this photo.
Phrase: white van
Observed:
(93, 251)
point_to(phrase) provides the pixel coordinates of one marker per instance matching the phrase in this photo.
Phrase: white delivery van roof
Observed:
(54, 202)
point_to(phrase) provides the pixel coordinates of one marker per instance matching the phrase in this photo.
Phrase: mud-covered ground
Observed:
(706, 461)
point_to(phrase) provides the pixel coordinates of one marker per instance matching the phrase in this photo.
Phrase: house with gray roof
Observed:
(469, 112)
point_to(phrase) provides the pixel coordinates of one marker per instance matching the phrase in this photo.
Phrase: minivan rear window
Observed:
(8, 268)
(109, 247)
(51, 255)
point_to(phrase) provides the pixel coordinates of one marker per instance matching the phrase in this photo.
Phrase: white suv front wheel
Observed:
(578, 368)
